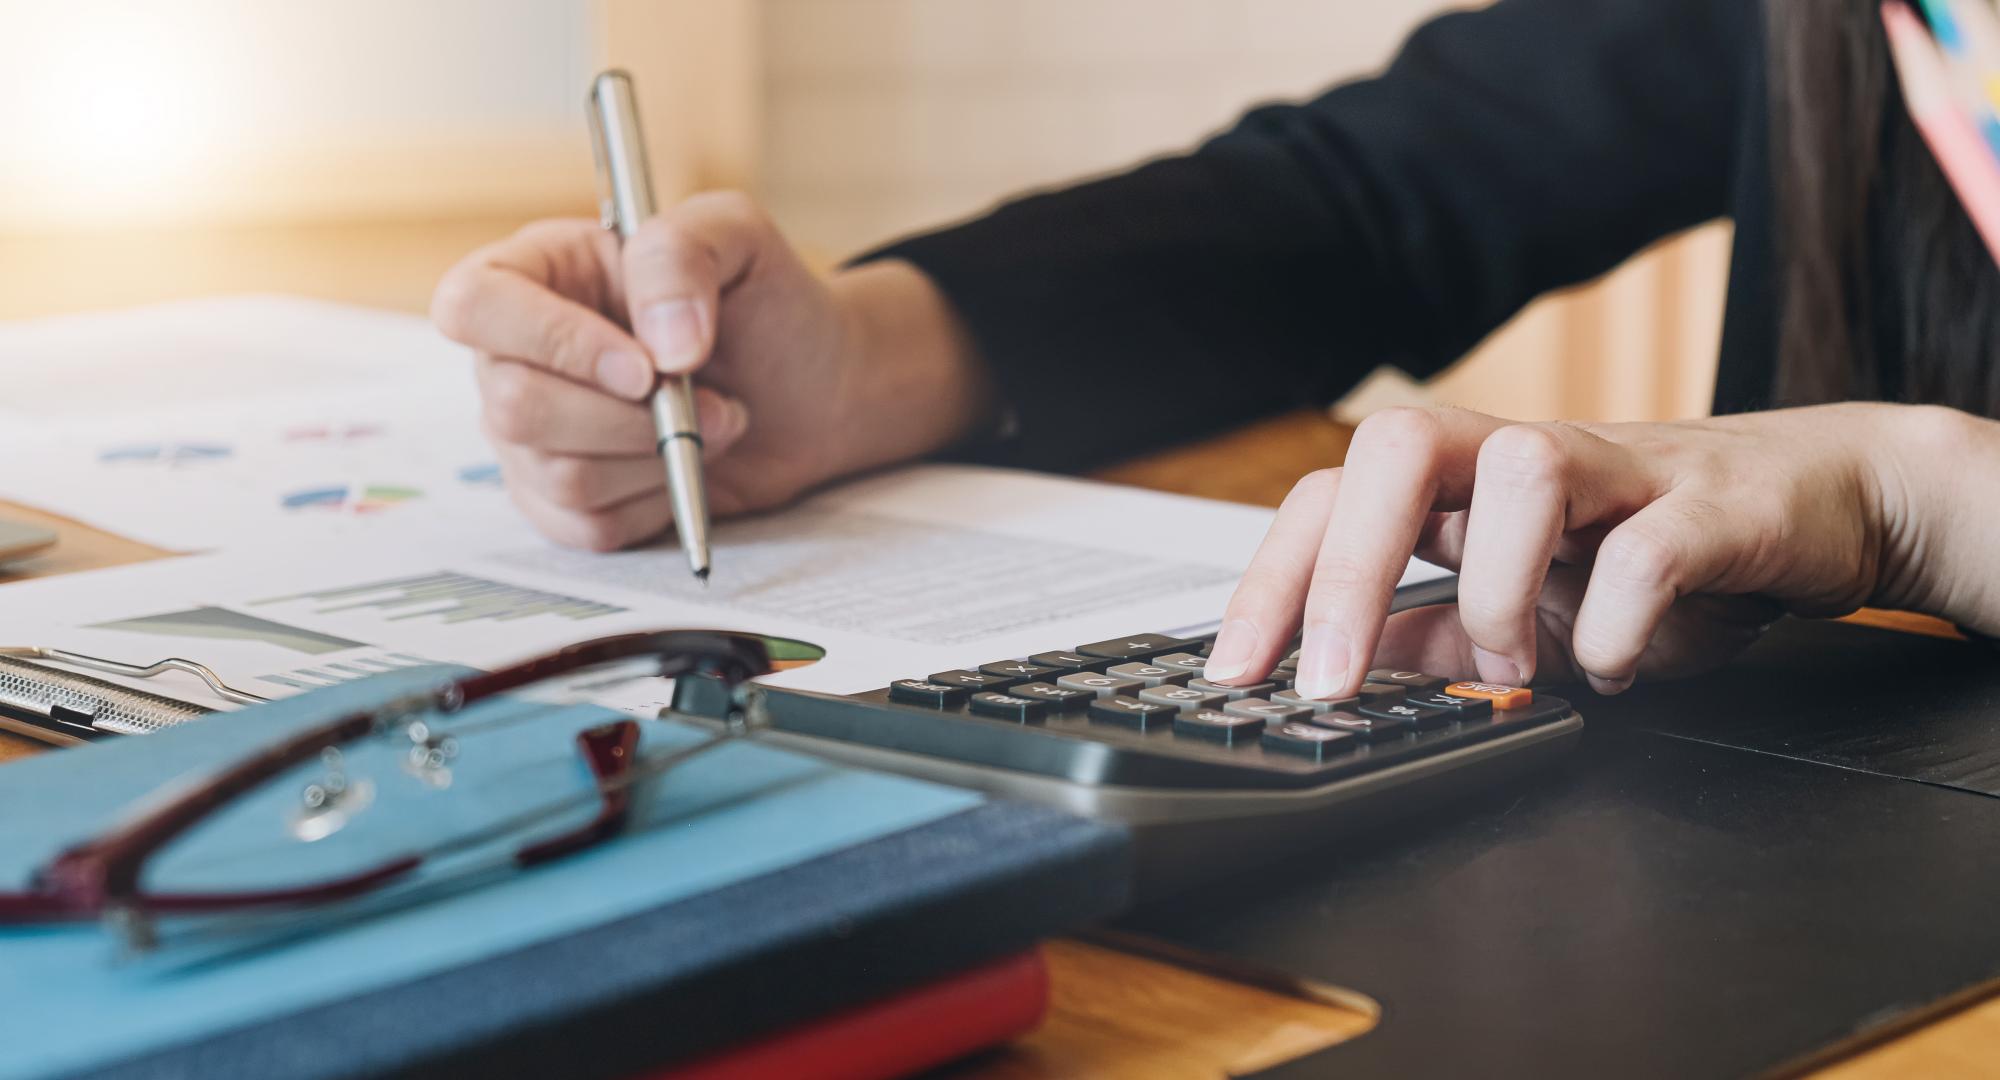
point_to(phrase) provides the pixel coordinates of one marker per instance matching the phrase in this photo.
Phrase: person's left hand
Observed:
(1598, 551)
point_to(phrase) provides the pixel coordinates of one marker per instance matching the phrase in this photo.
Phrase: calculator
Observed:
(1210, 779)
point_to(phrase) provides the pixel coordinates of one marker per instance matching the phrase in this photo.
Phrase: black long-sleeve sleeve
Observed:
(1399, 219)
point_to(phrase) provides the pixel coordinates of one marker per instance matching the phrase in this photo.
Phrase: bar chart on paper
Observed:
(350, 498)
(449, 597)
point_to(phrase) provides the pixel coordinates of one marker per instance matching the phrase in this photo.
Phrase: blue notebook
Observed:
(758, 888)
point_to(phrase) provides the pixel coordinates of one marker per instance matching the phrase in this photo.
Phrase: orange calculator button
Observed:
(1502, 697)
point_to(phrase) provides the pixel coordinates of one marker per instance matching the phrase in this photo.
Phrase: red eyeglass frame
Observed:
(100, 877)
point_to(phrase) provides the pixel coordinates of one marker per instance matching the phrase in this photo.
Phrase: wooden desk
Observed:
(1117, 1013)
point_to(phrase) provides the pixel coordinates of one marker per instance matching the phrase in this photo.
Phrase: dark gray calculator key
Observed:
(1308, 740)
(919, 692)
(1134, 647)
(1234, 693)
(1462, 709)
(1415, 682)
(1424, 717)
(1067, 661)
(1289, 696)
(1014, 707)
(974, 680)
(1017, 670)
(1149, 673)
(1363, 726)
(1183, 698)
(1132, 713)
(1184, 661)
(1099, 683)
(1058, 698)
(1271, 712)
(1373, 692)
(1226, 728)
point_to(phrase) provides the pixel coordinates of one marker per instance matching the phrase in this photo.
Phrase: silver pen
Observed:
(626, 198)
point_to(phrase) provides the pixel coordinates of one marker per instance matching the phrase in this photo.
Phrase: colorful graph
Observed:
(447, 596)
(351, 498)
(487, 475)
(162, 453)
(227, 625)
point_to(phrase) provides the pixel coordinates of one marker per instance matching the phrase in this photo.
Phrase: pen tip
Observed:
(702, 574)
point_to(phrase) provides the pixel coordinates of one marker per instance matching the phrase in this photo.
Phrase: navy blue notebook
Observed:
(758, 888)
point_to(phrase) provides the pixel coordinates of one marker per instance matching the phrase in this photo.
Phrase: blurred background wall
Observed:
(200, 129)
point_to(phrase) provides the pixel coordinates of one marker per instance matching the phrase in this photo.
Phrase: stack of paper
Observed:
(329, 463)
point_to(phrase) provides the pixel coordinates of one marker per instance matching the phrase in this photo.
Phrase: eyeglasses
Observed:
(458, 776)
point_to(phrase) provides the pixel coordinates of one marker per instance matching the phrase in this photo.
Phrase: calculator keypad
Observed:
(1145, 691)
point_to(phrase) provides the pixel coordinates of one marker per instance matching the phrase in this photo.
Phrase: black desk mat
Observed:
(1666, 904)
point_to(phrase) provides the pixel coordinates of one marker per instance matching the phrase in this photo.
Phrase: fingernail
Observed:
(1235, 644)
(1323, 661)
(1608, 687)
(672, 330)
(626, 373)
(1495, 668)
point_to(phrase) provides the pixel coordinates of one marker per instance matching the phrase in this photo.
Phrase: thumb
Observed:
(678, 265)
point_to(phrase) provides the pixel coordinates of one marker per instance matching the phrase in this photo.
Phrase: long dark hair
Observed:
(1888, 290)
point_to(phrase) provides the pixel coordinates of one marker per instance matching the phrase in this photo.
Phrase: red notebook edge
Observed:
(895, 1036)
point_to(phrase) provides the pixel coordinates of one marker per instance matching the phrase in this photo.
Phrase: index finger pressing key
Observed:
(1402, 465)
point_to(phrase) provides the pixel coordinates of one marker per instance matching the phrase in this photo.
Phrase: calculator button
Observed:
(1134, 647)
(1016, 670)
(1308, 740)
(1372, 692)
(1150, 674)
(1415, 682)
(1100, 684)
(1423, 717)
(1502, 697)
(1222, 727)
(1234, 693)
(1361, 725)
(1026, 710)
(973, 680)
(1058, 698)
(1132, 713)
(1463, 709)
(1291, 697)
(1183, 698)
(1271, 712)
(919, 692)
(1183, 661)
(1066, 661)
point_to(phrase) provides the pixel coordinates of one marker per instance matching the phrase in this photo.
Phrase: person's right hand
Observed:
(800, 380)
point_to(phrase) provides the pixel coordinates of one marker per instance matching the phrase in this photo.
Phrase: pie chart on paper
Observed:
(350, 498)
